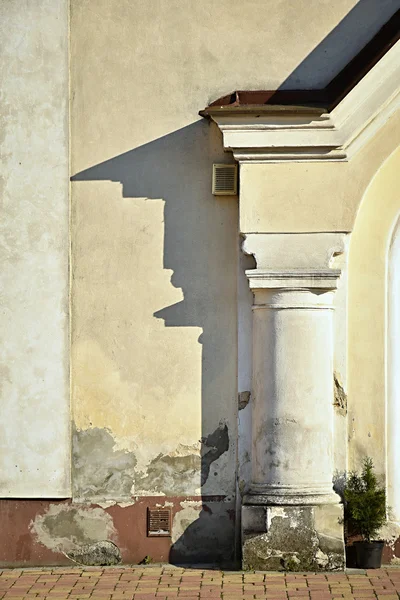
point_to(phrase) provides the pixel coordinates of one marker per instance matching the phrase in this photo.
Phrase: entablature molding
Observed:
(310, 130)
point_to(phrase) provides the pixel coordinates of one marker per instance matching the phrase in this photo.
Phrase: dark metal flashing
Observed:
(321, 100)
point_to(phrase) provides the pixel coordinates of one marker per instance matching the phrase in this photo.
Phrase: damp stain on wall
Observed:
(67, 528)
(99, 470)
(103, 472)
(179, 474)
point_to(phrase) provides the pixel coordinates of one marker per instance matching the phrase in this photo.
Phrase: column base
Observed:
(295, 495)
(293, 538)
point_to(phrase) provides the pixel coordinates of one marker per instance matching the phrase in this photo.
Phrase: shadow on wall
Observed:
(334, 52)
(200, 232)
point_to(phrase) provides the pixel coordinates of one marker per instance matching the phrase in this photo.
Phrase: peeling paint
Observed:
(204, 533)
(105, 474)
(390, 532)
(243, 399)
(340, 396)
(178, 474)
(322, 559)
(66, 528)
(109, 503)
(191, 504)
(186, 449)
(111, 390)
(184, 518)
(100, 471)
(279, 511)
(170, 475)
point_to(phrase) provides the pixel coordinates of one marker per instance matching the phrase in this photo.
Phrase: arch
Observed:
(369, 401)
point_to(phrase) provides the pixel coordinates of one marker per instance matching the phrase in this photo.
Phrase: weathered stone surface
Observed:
(243, 399)
(254, 519)
(102, 471)
(294, 538)
(99, 470)
(340, 395)
(98, 554)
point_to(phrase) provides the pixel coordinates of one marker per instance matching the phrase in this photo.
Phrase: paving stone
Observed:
(170, 583)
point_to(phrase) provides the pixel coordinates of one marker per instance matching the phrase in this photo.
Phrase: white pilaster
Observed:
(292, 461)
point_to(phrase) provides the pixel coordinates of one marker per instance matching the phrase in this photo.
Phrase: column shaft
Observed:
(292, 460)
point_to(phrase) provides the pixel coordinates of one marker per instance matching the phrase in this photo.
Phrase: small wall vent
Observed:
(158, 522)
(224, 182)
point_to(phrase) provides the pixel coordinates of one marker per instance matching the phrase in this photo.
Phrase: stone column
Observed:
(291, 515)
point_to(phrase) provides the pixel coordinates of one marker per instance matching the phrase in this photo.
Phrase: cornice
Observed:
(319, 127)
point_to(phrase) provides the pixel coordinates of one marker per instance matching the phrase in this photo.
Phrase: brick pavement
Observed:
(167, 583)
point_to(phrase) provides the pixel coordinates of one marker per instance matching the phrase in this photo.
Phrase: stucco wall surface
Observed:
(154, 353)
(368, 325)
(34, 403)
(312, 197)
(154, 254)
(166, 60)
(154, 288)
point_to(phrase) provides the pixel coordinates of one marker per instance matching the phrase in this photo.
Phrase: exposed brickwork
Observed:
(166, 582)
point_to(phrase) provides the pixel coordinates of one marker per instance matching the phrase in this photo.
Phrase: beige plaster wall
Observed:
(166, 60)
(368, 263)
(154, 291)
(154, 353)
(34, 244)
(152, 375)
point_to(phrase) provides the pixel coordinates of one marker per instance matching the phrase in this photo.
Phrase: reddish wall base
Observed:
(210, 538)
(391, 552)
(18, 545)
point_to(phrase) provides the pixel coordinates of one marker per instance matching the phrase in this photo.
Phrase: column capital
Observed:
(294, 260)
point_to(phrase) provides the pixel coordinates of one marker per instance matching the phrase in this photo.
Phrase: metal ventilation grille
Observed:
(224, 180)
(158, 522)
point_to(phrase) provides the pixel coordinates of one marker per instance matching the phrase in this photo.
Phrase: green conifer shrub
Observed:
(365, 502)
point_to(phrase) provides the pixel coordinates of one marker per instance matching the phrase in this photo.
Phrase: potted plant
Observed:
(365, 514)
